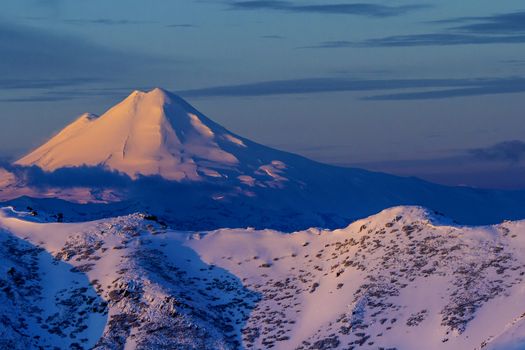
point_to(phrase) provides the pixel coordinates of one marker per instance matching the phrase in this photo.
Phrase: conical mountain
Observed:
(213, 177)
(148, 133)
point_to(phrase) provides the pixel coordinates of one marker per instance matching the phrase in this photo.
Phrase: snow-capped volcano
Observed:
(148, 133)
(195, 174)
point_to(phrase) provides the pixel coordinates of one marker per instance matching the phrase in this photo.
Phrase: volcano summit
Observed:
(153, 133)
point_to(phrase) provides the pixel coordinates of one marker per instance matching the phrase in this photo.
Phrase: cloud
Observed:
(100, 177)
(182, 25)
(435, 39)
(55, 95)
(105, 21)
(309, 85)
(440, 39)
(507, 23)
(272, 37)
(87, 21)
(36, 99)
(336, 44)
(454, 170)
(57, 67)
(508, 151)
(483, 87)
(29, 54)
(448, 87)
(358, 9)
(69, 177)
(506, 28)
(514, 62)
(44, 83)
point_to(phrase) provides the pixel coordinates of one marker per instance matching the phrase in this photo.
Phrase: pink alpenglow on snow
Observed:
(149, 133)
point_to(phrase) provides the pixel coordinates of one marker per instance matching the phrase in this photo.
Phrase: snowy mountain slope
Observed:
(395, 280)
(404, 279)
(153, 152)
(153, 297)
(44, 302)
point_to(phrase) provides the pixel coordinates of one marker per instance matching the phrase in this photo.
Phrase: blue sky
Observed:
(433, 89)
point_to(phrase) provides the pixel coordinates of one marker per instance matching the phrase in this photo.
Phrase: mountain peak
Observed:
(148, 133)
(156, 96)
(157, 91)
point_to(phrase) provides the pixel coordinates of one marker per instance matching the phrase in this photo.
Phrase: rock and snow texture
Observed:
(152, 295)
(401, 279)
(44, 302)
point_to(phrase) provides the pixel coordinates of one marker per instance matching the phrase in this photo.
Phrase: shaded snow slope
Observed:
(404, 278)
(157, 293)
(45, 303)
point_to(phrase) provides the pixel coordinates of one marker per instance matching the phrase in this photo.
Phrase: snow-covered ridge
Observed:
(399, 279)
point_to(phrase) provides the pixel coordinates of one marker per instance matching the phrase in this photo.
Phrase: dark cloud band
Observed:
(358, 9)
(436, 39)
(446, 88)
(508, 151)
(506, 28)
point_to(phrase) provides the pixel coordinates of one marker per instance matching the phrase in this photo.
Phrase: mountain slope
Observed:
(404, 279)
(153, 152)
(44, 303)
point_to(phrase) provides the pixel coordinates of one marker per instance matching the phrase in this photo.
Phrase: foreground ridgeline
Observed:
(154, 152)
(401, 279)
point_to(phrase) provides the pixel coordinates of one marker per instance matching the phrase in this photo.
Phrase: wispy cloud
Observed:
(506, 28)
(429, 88)
(482, 87)
(506, 23)
(88, 21)
(272, 37)
(28, 54)
(443, 39)
(181, 25)
(97, 176)
(54, 95)
(514, 62)
(61, 67)
(358, 9)
(334, 44)
(36, 99)
(435, 39)
(104, 21)
(511, 151)
(497, 166)
(45, 83)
